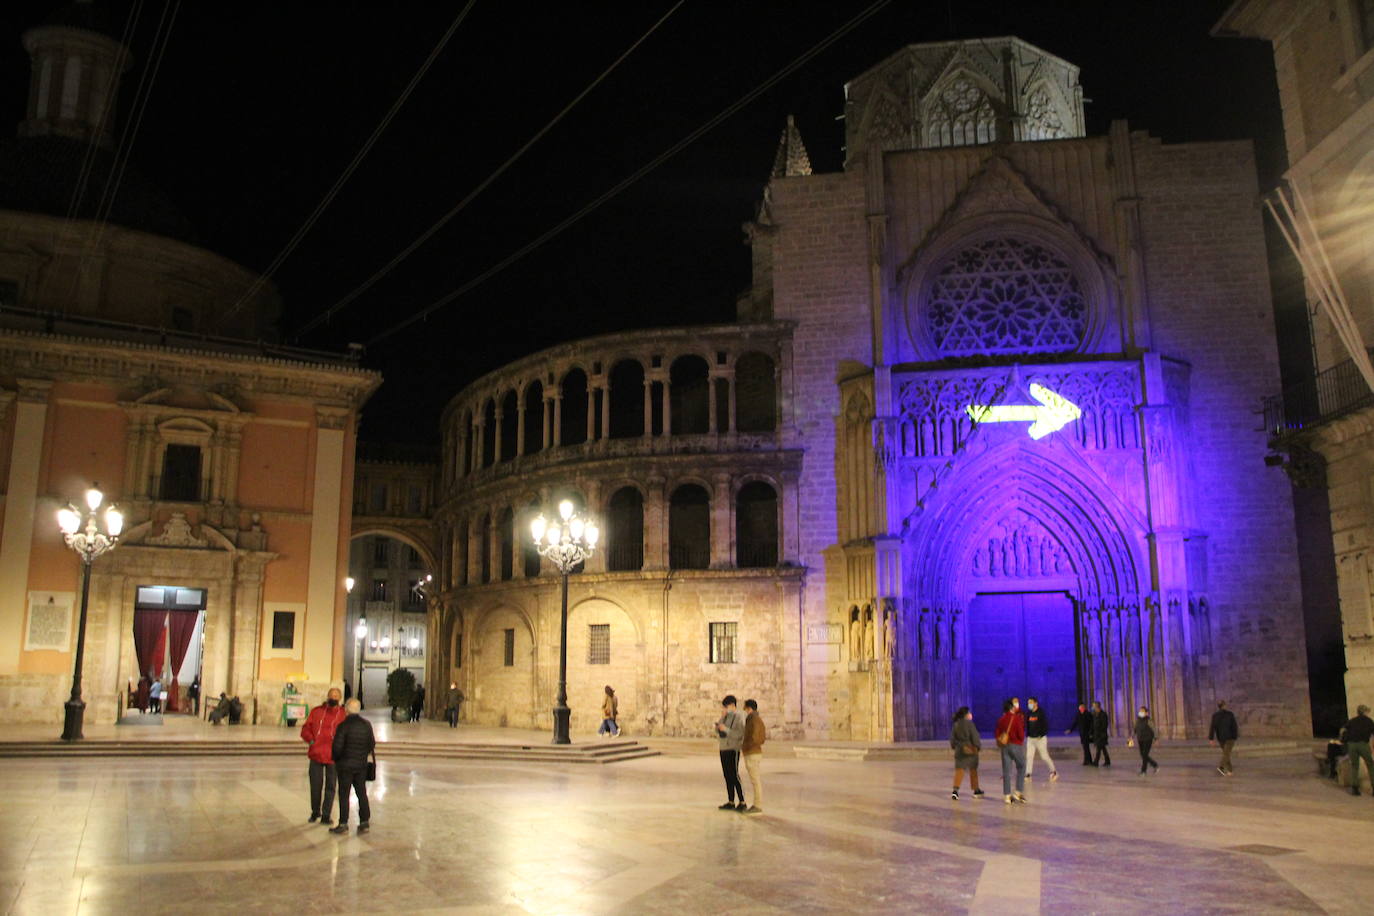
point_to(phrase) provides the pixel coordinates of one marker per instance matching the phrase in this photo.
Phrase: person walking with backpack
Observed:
(1038, 738)
(353, 742)
(730, 731)
(1101, 724)
(318, 732)
(1011, 738)
(963, 737)
(1225, 732)
(610, 711)
(755, 733)
(1143, 736)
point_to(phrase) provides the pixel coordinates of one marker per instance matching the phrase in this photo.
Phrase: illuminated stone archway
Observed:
(1022, 517)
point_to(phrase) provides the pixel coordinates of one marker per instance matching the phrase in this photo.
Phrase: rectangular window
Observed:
(412, 557)
(377, 498)
(381, 552)
(283, 629)
(180, 474)
(509, 659)
(457, 650)
(724, 637)
(378, 589)
(599, 644)
(414, 500)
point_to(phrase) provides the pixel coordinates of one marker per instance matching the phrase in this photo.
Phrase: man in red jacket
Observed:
(318, 732)
(1011, 738)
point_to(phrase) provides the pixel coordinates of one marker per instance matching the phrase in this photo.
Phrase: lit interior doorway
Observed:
(1022, 644)
(169, 644)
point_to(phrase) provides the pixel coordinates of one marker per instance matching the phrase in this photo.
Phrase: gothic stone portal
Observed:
(1022, 644)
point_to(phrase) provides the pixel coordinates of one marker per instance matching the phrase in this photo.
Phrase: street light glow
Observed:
(68, 520)
(94, 498)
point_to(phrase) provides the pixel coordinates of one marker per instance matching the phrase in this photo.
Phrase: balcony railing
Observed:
(689, 556)
(620, 557)
(1332, 393)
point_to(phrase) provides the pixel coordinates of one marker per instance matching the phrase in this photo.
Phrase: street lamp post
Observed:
(88, 543)
(566, 543)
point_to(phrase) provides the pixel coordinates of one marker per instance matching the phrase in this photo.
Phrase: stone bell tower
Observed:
(77, 65)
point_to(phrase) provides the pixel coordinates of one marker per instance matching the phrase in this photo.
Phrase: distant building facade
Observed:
(131, 358)
(1324, 56)
(985, 427)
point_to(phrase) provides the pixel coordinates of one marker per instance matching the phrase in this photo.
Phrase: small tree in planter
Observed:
(400, 693)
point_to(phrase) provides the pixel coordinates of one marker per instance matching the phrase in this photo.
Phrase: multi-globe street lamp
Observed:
(89, 542)
(566, 543)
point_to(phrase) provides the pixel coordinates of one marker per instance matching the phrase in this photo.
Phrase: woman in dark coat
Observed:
(963, 737)
(1144, 737)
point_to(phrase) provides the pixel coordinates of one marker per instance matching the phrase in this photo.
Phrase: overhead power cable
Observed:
(634, 176)
(262, 278)
(425, 236)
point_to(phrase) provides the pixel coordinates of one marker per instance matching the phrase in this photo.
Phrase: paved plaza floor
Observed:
(205, 835)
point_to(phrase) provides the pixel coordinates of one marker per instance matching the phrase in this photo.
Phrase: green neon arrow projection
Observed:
(1053, 413)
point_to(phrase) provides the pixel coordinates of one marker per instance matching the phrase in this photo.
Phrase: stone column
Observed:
(21, 501)
(711, 403)
(655, 523)
(648, 407)
(667, 406)
(479, 443)
(324, 594)
(591, 414)
(606, 410)
(557, 408)
(732, 393)
(722, 522)
(520, 426)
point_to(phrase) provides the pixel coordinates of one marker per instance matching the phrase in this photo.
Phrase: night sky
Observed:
(256, 108)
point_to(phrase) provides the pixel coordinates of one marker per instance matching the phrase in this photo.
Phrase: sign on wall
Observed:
(1053, 413)
(50, 621)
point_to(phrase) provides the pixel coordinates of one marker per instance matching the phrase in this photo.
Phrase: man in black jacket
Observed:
(1357, 734)
(1083, 723)
(1224, 731)
(1038, 738)
(353, 742)
(1100, 723)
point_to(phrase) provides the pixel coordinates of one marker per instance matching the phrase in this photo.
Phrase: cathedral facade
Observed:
(985, 427)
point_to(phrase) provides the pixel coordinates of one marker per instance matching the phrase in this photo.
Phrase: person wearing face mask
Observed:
(1038, 739)
(1144, 737)
(318, 733)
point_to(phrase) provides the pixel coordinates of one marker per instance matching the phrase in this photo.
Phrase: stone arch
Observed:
(624, 672)
(533, 398)
(488, 444)
(624, 528)
(757, 527)
(626, 391)
(1102, 568)
(575, 408)
(425, 551)
(1047, 113)
(510, 426)
(962, 108)
(756, 393)
(690, 394)
(689, 526)
(503, 694)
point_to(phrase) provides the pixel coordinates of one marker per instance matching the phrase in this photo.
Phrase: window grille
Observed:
(599, 644)
(724, 639)
(510, 649)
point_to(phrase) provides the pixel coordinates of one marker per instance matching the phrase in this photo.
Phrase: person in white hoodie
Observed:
(730, 730)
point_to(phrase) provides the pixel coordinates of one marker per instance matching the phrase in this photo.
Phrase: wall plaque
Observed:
(50, 621)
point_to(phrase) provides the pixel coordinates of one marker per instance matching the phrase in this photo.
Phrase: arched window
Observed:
(460, 565)
(534, 417)
(467, 443)
(627, 400)
(510, 426)
(528, 551)
(961, 115)
(1005, 296)
(506, 533)
(756, 526)
(690, 395)
(1042, 118)
(625, 530)
(489, 434)
(756, 395)
(574, 419)
(689, 528)
(484, 546)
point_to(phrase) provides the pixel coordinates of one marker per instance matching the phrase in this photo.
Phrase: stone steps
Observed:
(939, 751)
(601, 753)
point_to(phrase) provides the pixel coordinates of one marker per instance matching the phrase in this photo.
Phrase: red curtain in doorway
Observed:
(149, 631)
(181, 626)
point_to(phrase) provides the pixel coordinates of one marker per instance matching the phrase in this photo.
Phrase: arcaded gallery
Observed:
(985, 426)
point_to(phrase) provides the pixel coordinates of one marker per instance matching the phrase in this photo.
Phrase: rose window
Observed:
(1005, 296)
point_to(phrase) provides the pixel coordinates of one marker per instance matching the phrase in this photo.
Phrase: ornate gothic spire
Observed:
(791, 159)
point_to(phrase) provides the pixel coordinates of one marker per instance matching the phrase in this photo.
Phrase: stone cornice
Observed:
(61, 358)
(587, 579)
